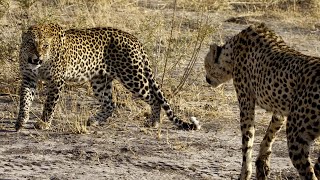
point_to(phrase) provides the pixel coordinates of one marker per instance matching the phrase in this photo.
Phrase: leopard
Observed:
(267, 72)
(98, 55)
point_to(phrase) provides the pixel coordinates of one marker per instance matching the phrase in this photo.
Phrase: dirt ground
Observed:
(123, 149)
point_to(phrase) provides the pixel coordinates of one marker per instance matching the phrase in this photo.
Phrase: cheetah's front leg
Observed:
(247, 128)
(53, 95)
(27, 91)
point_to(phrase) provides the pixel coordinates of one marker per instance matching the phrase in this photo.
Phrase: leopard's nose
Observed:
(30, 60)
(34, 60)
(208, 80)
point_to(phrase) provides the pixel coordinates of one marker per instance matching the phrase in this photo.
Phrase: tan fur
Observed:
(268, 73)
(98, 55)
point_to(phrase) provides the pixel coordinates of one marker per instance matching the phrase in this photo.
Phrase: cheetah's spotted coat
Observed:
(268, 73)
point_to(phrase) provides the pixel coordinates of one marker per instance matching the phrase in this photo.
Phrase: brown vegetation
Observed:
(176, 34)
(173, 33)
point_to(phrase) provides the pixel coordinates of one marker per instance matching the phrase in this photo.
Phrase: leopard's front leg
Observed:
(53, 95)
(27, 92)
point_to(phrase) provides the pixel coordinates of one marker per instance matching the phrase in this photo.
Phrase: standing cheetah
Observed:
(98, 55)
(266, 72)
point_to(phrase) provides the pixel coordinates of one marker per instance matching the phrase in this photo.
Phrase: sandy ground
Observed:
(124, 150)
(129, 153)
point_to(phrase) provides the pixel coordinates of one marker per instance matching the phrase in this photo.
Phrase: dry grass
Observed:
(173, 33)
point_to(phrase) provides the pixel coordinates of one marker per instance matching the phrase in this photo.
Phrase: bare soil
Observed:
(124, 149)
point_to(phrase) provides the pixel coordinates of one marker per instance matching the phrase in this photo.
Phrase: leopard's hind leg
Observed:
(102, 90)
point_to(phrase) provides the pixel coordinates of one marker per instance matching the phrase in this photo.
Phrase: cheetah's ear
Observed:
(216, 51)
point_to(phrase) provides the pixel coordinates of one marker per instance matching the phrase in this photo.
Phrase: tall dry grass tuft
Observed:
(150, 27)
(309, 8)
(175, 35)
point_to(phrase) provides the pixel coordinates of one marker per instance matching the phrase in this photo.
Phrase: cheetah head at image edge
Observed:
(212, 64)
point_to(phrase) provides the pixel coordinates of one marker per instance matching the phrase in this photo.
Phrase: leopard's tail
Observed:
(193, 125)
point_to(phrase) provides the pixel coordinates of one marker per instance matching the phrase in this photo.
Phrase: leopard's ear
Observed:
(27, 37)
(216, 51)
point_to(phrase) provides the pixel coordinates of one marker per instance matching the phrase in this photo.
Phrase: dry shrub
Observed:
(166, 41)
(310, 7)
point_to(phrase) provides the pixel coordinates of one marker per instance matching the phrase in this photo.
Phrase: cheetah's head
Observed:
(44, 39)
(218, 66)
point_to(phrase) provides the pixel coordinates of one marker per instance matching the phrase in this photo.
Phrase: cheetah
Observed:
(56, 55)
(269, 73)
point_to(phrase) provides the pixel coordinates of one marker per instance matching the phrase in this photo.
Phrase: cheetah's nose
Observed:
(208, 80)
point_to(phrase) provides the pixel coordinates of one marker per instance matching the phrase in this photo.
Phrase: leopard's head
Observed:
(42, 40)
